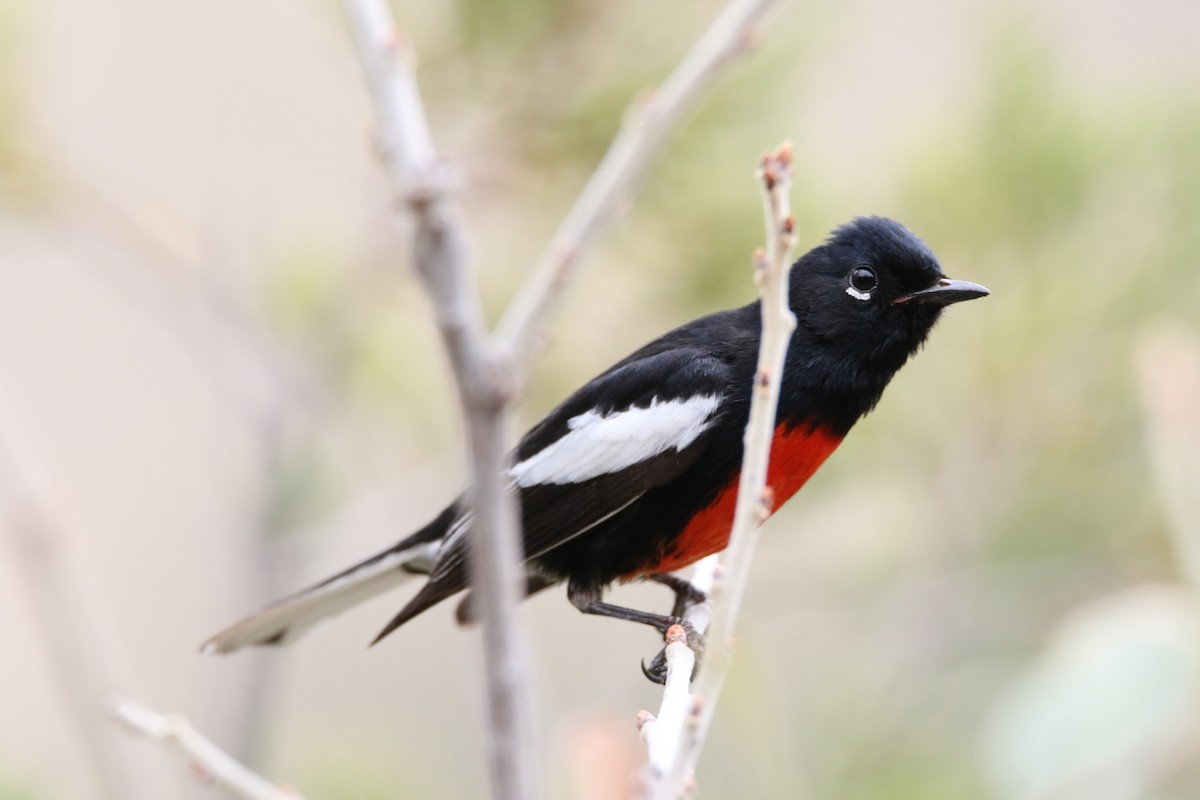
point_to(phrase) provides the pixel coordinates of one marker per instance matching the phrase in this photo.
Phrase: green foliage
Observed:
(1028, 160)
(361, 328)
(306, 290)
(1056, 199)
(516, 26)
(340, 774)
(1076, 215)
(21, 178)
(306, 488)
(14, 788)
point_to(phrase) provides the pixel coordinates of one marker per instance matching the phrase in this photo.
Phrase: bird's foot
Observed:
(686, 594)
(656, 671)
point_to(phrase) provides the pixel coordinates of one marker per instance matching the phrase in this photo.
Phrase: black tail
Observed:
(286, 619)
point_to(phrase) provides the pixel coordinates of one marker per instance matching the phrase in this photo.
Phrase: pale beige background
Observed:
(232, 130)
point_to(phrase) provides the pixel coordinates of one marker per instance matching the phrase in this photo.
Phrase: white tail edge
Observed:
(289, 618)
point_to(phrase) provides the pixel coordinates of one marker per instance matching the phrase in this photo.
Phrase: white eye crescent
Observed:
(862, 281)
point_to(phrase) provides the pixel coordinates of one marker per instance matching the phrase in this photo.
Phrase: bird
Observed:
(635, 475)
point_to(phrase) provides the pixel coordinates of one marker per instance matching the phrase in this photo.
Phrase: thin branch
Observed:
(755, 499)
(772, 268)
(85, 656)
(677, 702)
(647, 124)
(485, 376)
(663, 733)
(209, 762)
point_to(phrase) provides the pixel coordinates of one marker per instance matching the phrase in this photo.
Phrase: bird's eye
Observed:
(863, 279)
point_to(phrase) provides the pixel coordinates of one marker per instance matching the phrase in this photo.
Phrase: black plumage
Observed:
(627, 477)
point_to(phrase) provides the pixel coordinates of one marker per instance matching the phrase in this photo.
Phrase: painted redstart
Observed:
(635, 475)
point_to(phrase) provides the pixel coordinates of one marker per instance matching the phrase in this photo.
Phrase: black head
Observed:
(871, 294)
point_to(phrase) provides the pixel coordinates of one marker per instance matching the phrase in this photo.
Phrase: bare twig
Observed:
(663, 733)
(646, 126)
(755, 500)
(485, 376)
(707, 573)
(209, 762)
(86, 656)
(676, 702)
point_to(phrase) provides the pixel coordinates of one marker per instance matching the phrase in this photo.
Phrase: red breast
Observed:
(795, 456)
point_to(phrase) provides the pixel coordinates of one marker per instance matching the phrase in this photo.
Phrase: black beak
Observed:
(945, 292)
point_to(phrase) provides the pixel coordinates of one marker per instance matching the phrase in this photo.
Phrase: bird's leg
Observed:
(587, 599)
(686, 594)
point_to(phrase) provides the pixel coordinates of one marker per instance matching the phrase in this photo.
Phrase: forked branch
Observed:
(425, 185)
(205, 760)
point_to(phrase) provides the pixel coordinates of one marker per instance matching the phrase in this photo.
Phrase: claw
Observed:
(657, 671)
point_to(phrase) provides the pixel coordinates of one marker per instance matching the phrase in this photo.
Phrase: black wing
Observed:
(635, 427)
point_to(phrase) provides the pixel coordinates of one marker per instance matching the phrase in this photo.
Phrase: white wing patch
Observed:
(450, 539)
(601, 444)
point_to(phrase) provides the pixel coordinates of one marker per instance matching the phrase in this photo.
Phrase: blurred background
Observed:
(215, 355)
